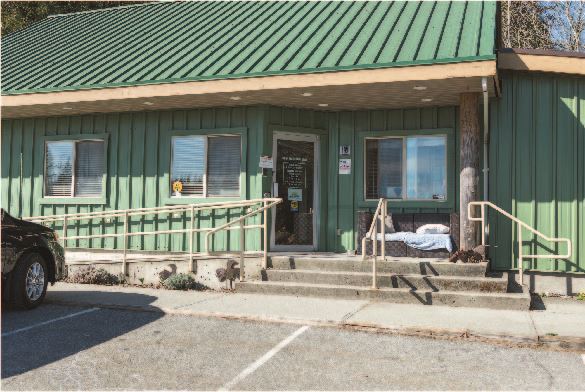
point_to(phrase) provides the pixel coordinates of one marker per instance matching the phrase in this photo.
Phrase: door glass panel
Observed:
(295, 164)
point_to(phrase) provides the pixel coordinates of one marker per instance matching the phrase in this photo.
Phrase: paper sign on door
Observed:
(295, 194)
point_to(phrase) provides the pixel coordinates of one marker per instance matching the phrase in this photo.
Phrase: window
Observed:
(74, 168)
(412, 168)
(206, 166)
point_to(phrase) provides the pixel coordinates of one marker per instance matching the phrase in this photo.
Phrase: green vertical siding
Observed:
(345, 129)
(537, 169)
(138, 161)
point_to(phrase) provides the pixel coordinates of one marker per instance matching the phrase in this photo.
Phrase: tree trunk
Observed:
(469, 166)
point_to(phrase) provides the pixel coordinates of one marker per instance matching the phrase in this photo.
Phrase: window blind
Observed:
(89, 168)
(223, 166)
(188, 165)
(371, 169)
(58, 168)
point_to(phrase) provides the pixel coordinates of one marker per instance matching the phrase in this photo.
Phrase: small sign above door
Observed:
(344, 149)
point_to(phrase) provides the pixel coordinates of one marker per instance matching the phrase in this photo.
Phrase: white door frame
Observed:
(303, 137)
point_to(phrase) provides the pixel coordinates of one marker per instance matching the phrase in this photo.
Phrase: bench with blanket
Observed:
(405, 243)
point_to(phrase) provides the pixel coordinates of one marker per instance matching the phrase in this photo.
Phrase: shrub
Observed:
(91, 275)
(581, 296)
(181, 282)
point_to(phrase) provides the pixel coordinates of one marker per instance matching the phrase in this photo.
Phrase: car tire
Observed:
(28, 290)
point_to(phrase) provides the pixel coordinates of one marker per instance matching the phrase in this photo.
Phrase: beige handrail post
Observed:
(375, 251)
(383, 223)
(64, 233)
(483, 219)
(520, 263)
(191, 238)
(125, 240)
(265, 233)
(242, 248)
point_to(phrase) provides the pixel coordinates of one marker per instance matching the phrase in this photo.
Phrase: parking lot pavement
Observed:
(63, 347)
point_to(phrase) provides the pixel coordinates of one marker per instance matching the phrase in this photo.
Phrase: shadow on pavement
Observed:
(45, 344)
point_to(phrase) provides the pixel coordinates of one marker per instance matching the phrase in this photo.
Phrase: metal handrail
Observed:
(192, 208)
(520, 226)
(372, 235)
(145, 211)
(267, 204)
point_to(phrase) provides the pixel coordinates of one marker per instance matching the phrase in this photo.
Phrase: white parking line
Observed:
(263, 359)
(49, 321)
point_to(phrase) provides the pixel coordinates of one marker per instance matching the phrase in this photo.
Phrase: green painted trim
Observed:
(73, 200)
(84, 136)
(165, 178)
(287, 128)
(323, 160)
(449, 202)
(103, 198)
(398, 64)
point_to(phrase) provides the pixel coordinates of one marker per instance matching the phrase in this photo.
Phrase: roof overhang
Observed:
(345, 90)
(537, 60)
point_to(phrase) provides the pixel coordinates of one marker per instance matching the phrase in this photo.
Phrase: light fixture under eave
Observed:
(307, 94)
(235, 98)
(323, 105)
(426, 99)
(67, 108)
(420, 88)
(148, 103)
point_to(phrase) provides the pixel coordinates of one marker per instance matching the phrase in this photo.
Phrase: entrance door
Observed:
(295, 180)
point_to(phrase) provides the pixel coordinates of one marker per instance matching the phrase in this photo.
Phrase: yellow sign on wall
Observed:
(177, 186)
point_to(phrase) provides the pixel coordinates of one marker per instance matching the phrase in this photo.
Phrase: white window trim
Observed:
(205, 194)
(404, 167)
(74, 166)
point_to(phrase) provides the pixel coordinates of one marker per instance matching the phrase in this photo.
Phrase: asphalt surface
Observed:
(91, 348)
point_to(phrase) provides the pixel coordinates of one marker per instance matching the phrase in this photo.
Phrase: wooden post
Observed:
(469, 166)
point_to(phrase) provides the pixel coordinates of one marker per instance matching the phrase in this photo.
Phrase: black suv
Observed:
(31, 257)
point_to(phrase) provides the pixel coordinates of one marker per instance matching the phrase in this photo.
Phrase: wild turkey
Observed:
(227, 273)
(476, 255)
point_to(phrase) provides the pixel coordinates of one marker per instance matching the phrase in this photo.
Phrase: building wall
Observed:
(537, 155)
(138, 162)
(344, 191)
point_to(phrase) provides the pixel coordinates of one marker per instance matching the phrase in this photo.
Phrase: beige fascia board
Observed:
(540, 63)
(232, 86)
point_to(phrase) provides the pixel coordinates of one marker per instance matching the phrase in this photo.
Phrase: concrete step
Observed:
(509, 301)
(401, 266)
(385, 280)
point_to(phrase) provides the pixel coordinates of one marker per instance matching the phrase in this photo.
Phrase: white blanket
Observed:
(421, 241)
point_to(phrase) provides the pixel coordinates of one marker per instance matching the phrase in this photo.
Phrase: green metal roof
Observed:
(181, 41)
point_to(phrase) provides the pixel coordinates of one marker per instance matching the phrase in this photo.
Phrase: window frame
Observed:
(102, 198)
(165, 179)
(450, 158)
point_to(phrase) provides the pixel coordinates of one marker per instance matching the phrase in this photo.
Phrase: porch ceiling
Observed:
(419, 86)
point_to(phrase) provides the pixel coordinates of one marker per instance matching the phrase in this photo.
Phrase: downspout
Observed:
(486, 142)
